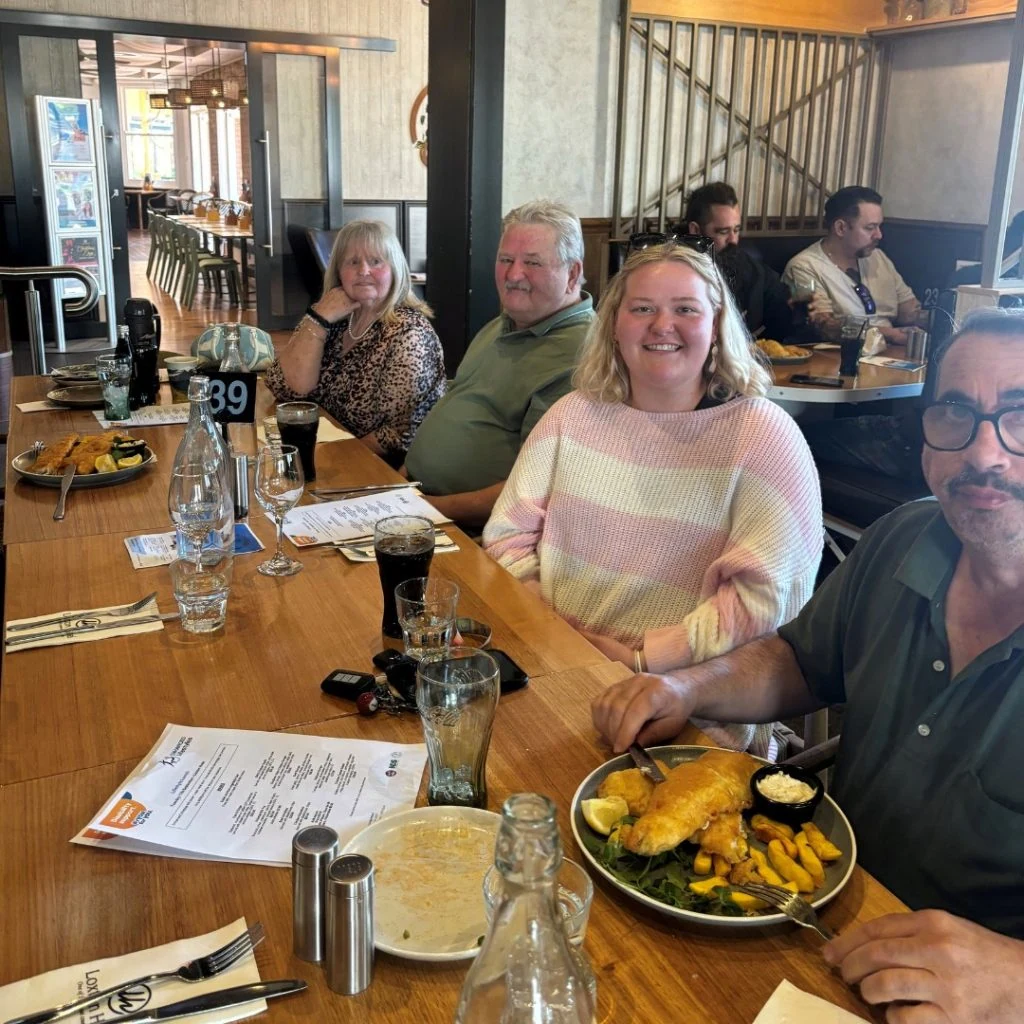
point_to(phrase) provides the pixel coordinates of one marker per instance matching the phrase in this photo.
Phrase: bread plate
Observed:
(828, 817)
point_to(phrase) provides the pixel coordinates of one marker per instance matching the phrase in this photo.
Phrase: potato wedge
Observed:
(789, 868)
(706, 885)
(826, 850)
(767, 834)
(747, 902)
(809, 859)
(721, 865)
(702, 863)
(764, 869)
(759, 820)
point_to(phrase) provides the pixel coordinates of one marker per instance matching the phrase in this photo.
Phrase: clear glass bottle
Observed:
(203, 446)
(525, 972)
(232, 359)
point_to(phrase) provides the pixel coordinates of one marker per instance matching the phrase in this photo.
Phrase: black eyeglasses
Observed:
(951, 427)
(645, 239)
(867, 300)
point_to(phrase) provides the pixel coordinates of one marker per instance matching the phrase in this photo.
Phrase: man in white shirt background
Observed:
(852, 276)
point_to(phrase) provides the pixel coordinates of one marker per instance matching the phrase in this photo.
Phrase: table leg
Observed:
(138, 199)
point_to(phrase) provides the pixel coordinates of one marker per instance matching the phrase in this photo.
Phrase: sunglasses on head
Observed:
(645, 239)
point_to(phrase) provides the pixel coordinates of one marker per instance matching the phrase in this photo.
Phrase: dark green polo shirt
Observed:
(930, 769)
(506, 381)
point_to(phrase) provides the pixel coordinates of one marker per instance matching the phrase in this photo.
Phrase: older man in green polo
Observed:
(921, 634)
(515, 369)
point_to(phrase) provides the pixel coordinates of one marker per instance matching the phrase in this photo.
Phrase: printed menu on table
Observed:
(240, 795)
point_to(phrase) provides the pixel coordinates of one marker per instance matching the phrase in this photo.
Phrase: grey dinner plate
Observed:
(77, 373)
(78, 396)
(22, 465)
(828, 817)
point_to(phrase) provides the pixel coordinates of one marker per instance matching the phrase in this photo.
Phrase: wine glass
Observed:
(195, 502)
(279, 484)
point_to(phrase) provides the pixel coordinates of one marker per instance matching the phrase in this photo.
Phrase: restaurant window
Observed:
(229, 156)
(199, 129)
(148, 137)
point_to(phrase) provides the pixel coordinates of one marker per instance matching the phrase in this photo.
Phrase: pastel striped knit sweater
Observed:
(689, 533)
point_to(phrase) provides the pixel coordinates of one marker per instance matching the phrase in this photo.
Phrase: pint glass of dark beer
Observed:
(298, 422)
(404, 546)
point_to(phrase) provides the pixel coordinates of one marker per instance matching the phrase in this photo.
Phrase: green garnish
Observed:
(664, 878)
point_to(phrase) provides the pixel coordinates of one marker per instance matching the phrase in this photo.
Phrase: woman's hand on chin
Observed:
(335, 305)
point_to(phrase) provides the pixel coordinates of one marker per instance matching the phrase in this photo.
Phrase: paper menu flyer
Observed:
(148, 416)
(890, 363)
(354, 517)
(153, 549)
(240, 795)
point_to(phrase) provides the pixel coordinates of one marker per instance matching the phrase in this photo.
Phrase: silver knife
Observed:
(215, 1001)
(366, 489)
(52, 634)
(646, 763)
(65, 486)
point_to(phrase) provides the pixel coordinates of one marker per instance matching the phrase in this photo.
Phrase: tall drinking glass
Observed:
(115, 376)
(801, 291)
(457, 695)
(298, 423)
(404, 546)
(195, 501)
(851, 338)
(279, 484)
(427, 610)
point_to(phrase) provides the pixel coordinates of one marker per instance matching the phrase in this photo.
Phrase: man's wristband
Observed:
(317, 318)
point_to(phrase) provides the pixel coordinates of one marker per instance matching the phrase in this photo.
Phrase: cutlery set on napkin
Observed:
(214, 975)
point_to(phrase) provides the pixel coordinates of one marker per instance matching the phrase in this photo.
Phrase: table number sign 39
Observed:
(232, 396)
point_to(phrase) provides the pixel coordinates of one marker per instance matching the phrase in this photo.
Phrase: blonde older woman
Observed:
(366, 352)
(665, 508)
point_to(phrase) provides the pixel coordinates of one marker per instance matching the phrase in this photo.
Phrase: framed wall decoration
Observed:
(418, 124)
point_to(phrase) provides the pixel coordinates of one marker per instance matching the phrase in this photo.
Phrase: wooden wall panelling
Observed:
(596, 232)
(840, 16)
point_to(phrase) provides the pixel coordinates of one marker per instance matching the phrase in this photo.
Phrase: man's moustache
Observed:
(992, 481)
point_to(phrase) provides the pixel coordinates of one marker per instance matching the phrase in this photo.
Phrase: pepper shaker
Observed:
(313, 850)
(350, 924)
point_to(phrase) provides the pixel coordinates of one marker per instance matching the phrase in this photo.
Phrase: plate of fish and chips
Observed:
(101, 460)
(700, 830)
(783, 355)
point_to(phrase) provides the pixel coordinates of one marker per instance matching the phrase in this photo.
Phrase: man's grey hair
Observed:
(565, 224)
(1004, 323)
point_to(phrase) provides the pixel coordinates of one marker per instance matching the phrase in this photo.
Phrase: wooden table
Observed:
(872, 383)
(229, 233)
(75, 720)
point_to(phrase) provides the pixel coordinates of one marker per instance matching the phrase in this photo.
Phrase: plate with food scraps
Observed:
(662, 882)
(77, 373)
(24, 464)
(429, 865)
(78, 396)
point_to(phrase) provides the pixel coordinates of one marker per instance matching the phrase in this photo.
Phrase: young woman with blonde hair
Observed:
(665, 508)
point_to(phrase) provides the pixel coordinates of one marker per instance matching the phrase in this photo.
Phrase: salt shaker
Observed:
(240, 484)
(313, 850)
(349, 924)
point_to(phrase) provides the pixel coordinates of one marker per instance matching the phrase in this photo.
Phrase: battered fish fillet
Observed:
(693, 793)
(89, 449)
(632, 785)
(50, 460)
(724, 836)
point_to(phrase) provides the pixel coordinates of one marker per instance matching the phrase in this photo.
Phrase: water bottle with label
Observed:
(526, 970)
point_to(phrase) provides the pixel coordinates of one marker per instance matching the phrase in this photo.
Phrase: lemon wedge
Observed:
(128, 461)
(602, 815)
(106, 464)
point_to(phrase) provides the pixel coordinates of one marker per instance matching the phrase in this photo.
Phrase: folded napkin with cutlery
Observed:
(74, 627)
(791, 1005)
(362, 551)
(31, 995)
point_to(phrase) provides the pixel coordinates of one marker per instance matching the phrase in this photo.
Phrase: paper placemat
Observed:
(76, 627)
(32, 995)
(363, 552)
(326, 431)
(149, 416)
(791, 1005)
(43, 406)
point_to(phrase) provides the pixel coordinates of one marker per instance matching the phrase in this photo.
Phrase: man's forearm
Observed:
(470, 508)
(759, 682)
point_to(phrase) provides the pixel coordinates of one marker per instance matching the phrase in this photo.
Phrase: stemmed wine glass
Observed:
(279, 483)
(195, 502)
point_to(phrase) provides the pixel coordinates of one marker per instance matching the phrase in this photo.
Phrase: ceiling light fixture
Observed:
(160, 101)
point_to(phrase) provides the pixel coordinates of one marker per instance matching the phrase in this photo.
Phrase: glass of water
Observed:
(202, 593)
(115, 375)
(427, 609)
(279, 484)
(457, 695)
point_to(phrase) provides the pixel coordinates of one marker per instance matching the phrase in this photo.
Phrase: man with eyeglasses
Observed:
(854, 276)
(920, 633)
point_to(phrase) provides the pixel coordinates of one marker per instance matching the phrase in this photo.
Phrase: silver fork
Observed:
(200, 969)
(795, 907)
(56, 620)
